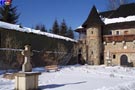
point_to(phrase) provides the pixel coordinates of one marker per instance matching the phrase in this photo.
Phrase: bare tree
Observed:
(114, 4)
(123, 2)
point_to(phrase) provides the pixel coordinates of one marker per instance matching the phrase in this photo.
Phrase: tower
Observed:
(93, 26)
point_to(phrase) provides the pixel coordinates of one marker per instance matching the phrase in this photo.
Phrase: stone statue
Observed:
(27, 67)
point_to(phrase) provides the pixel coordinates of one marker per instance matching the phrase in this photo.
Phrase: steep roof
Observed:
(93, 18)
(107, 14)
(123, 11)
(80, 29)
(124, 14)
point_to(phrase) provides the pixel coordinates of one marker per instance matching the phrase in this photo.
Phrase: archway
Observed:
(124, 60)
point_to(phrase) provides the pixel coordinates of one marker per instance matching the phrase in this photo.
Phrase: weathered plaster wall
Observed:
(118, 49)
(94, 44)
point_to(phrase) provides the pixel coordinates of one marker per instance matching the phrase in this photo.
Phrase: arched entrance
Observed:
(124, 60)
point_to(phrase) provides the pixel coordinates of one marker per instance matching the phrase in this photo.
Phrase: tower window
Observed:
(91, 32)
(92, 52)
(80, 50)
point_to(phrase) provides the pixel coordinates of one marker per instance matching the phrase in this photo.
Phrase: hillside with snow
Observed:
(82, 78)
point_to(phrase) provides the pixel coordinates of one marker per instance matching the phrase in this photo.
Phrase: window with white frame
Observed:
(117, 33)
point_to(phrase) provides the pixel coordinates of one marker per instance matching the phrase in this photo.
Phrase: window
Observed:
(92, 52)
(117, 33)
(110, 32)
(114, 56)
(91, 32)
(80, 51)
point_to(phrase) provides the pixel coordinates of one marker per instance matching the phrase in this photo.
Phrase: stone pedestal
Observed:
(26, 81)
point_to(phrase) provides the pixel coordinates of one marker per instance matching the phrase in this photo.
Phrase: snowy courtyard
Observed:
(79, 77)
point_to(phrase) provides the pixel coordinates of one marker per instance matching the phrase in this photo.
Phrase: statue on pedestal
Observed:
(27, 67)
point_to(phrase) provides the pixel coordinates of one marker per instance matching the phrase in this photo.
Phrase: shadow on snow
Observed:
(58, 85)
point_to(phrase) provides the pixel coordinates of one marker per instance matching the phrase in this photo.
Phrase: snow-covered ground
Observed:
(79, 77)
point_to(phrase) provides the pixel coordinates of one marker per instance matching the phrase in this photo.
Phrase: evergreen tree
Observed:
(50, 30)
(37, 27)
(70, 33)
(63, 28)
(41, 27)
(9, 14)
(55, 27)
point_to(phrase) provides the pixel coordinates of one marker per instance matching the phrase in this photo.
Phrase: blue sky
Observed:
(45, 12)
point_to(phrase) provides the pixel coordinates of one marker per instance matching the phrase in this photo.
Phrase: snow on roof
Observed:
(29, 30)
(118, 20)
(80, 27)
